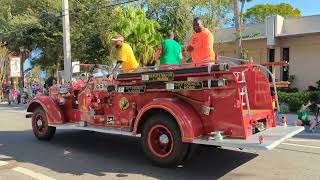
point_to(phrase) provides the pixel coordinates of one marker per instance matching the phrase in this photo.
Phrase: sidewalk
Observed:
(13, 107)
(293, 117)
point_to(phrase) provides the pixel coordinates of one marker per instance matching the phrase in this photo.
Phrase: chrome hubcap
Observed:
(39, 123)
(164, 139)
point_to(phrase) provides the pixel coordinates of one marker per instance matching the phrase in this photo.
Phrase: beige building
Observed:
(296, 40)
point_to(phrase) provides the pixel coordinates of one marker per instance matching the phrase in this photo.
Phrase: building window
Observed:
(271, 55)
(271, 58)
(285, 70)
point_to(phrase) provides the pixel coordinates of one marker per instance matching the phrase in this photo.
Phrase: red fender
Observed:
(52, 109)
(188, 120)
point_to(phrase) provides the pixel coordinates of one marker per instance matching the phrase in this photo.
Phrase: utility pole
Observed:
(66, 41)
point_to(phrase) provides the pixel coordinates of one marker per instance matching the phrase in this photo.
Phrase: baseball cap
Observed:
(117, 38)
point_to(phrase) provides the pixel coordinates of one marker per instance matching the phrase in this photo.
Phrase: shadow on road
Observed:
(79, 152)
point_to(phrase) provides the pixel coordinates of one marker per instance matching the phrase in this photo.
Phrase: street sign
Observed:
(76, 67)
(15, 70)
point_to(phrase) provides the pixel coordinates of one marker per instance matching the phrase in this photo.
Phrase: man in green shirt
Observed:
(303, 117)
(317, 105)
(170, 51)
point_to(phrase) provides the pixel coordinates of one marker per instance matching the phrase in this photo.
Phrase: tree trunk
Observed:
(21, 81)
(243, 2)
(57, 71)
(237, 27)
(24, 55)
(3, 72)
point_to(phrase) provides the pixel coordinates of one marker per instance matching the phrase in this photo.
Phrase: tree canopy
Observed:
(258, 13)
(30, 25)
(36, 26)
(174, 15)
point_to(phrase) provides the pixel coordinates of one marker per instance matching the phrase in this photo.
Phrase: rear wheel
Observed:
(161, 141)
(40, 126)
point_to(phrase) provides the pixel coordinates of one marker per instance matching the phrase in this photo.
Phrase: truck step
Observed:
(265, 140)
(107, 130)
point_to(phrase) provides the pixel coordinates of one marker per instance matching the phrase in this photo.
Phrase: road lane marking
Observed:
(304, 140)
(32, 173)
(11, 107)
(308, 134)
(4, 156)
(13, 111)
(300, 145)
(3, 163)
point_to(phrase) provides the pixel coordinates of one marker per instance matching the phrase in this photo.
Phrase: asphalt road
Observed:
(85, 155)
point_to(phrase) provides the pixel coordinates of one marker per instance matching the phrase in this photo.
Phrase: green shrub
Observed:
(318, 84)
(288, 90)
(295, 100)
(284, 107)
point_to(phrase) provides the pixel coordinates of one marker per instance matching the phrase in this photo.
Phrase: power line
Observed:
(99, 6)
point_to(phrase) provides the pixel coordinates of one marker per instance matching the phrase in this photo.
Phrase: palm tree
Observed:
(238, 21)
(237, 27)
(243, 2)
(140, 32)
(4, 53)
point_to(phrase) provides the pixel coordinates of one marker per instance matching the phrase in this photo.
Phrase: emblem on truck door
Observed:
(124, 103)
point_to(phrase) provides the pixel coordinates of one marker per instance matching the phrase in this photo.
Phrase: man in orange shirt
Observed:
(201, 43)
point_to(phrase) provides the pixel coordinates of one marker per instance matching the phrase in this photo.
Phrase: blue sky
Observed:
(307, 7)
(27, 63)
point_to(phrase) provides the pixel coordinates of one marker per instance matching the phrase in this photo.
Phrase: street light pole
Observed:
(66, 41)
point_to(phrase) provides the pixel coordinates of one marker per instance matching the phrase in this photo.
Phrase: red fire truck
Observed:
(169, 109)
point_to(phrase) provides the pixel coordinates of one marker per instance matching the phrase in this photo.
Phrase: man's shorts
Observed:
(305, 123)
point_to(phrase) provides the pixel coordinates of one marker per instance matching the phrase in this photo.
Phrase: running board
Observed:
(265, 140)
(117, 131)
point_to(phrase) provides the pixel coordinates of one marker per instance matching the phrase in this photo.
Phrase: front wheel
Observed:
(40, 126)
(161, 141)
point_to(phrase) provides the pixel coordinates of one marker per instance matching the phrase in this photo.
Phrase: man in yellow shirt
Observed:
(126, 57)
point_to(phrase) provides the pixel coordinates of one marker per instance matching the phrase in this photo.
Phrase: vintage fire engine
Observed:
(170, 109)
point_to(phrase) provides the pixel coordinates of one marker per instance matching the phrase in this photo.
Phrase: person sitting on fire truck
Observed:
(126, 57)
(303, 117)
(201, 42)
(170, 51)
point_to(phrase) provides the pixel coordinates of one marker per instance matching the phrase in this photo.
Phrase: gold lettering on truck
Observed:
(165, 76)
(184, 85)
